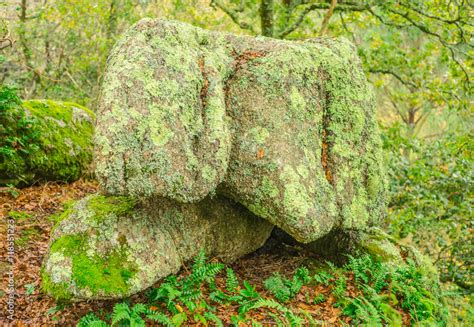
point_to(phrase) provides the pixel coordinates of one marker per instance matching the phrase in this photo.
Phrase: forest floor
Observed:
(31, 208)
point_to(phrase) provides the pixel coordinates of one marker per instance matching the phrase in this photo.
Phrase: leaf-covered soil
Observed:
(31, 208)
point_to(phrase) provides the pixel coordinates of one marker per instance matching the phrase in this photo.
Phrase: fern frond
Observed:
(320, 298)
(139, 308)
(302, 274)
(212, 317)
(232, 283)
(161, 318)
(91, 320)
(200, 259)
(120, 312)
(276, 286)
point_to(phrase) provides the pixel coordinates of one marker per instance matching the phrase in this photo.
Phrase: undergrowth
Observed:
(18, 136)
(364, 292)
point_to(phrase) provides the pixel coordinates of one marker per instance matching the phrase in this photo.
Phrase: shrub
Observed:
(431, 185)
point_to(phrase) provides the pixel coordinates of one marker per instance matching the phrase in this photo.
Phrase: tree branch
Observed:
(6, 40)
(317, 6)
(233, 14)
(394, 74)
(327, 17)
(439, 37)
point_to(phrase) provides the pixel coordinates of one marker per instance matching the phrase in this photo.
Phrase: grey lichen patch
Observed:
(285, 128)
(109, 247)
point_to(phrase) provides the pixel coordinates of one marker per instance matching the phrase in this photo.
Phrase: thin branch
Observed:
(317, 6)
(397, 109)
(6, 38)
(346, 28)
(446, 21)
(439, 37)
(233, 14)
(327, 17)
(394, 74)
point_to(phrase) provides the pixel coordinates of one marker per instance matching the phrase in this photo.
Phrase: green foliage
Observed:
(417, 53)
(385, 291)
(232, 282)
(62, 45)
(42, 140)
(91, 320)
(320, 298)
(129, 316)
(323, 277)
(19, 136)
(432, 184)
(292, 318)
(284, 289)
(382, 294)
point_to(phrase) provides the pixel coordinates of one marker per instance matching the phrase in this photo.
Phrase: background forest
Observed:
(418, 55)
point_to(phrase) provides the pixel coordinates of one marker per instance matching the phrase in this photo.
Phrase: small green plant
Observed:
(382, 293)
(320, 298)
(129, 316)
(386, 291)
(323, 277)
(91, 320)
(19, 215)
(13, 191)
(18, 135)
(284, 289)
(29, 289)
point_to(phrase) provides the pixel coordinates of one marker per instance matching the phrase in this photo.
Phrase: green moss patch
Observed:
(102, 274)
(60, 291)
(102, 206)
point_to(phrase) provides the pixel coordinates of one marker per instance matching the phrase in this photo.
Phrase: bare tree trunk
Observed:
(26, 49)
(411, 122)
(22, 32)
(266, 17)
(112, 22)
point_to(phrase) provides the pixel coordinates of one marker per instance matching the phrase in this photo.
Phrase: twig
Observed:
(327, 17)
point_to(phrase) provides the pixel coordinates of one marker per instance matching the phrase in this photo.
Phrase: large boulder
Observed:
(285, 128)
(107, 247)
(45, 140)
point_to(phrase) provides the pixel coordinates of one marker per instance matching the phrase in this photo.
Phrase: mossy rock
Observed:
(62, 149)
(108, 247)
(285, 128)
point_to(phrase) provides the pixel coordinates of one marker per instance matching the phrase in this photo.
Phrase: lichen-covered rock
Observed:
(107, 247)
(60, 148)
(286, 128)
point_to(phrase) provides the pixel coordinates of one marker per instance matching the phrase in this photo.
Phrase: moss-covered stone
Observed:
(286, 128)
(63, 149)
(107, 247)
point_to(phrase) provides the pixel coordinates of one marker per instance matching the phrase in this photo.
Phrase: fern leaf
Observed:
(161, 318)
(212, 317)
(232, 283)
(121, 312)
